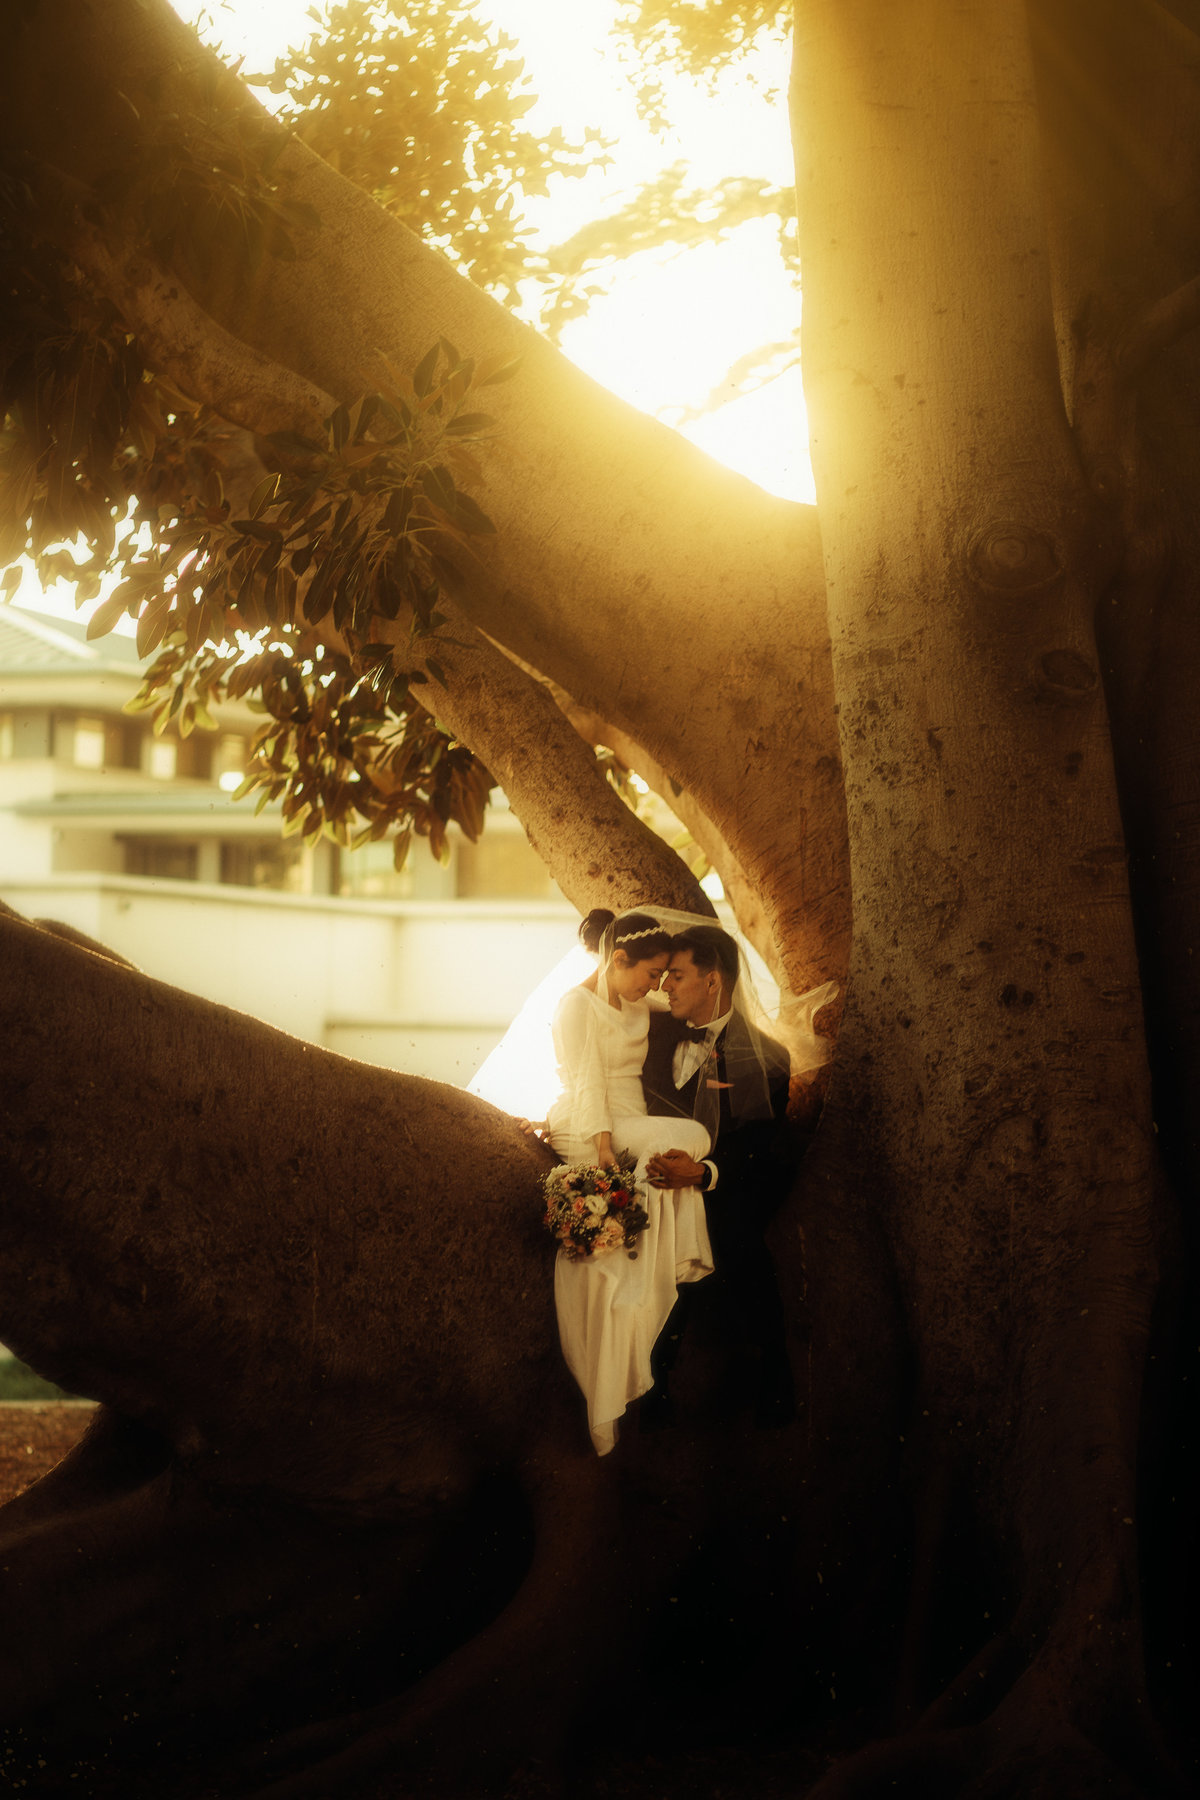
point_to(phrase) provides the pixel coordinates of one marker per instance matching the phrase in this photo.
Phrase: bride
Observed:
(611, 1308)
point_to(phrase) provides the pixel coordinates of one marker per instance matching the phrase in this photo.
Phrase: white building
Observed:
(134, 840)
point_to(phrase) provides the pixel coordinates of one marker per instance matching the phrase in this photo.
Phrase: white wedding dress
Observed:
(611, 1308)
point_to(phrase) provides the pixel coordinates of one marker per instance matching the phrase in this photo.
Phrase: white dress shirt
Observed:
(689, 1054)
(687, 1059)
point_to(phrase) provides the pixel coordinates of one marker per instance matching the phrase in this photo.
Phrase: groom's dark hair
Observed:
(710, 948)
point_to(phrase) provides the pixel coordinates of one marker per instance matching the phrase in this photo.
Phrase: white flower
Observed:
(597, 1205)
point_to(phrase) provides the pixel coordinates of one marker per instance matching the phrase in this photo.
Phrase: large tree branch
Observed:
(211, 1257)
(745, 902)
(598, 851)
(182, 342)
(1160, 326)
(677, 598)
(810, 1049)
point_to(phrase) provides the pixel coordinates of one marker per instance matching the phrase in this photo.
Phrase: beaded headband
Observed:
(631, 937)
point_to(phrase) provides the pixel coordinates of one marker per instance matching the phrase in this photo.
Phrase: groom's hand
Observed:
(672, 1169)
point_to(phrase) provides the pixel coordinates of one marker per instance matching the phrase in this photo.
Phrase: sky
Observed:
(669, 325)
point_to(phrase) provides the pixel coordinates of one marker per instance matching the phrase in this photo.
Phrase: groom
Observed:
(745, 1181)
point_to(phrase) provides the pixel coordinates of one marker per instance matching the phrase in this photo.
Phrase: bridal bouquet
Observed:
(591, 1210)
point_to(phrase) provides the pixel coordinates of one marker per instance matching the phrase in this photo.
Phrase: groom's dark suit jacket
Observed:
(751, 1154)
(748, 1150)
(754, 1165)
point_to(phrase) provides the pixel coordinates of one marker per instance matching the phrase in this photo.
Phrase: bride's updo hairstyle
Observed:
(639, 935)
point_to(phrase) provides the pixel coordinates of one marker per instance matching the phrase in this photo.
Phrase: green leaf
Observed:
(108, 612)
(492, 374)
(438, 485)
(423, 373)
(266, 534)
(141, 702)
(391, 416)
(361, 415)
(263, 494)
(471, 515)
(398, 510)
(314, 599)
(467, 423)
(339, 427)
(152, 627)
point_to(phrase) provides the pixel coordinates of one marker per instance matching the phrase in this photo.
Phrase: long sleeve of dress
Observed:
(581, 1064)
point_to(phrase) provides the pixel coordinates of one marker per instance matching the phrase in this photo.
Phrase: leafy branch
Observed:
(358, 530)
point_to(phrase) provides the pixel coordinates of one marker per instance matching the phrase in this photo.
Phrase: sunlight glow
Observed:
(669, 324)
(520, 1076)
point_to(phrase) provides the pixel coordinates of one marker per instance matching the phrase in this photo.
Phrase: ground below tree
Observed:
(33, 1437)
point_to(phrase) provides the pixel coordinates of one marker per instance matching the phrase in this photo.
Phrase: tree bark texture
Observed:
(992, 1088)
(572, 815)
(174, 1299)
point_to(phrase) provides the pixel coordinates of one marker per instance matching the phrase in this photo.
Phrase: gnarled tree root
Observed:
(1028, 1748)
(506, 1699)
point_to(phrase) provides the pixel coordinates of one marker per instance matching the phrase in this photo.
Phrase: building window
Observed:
(263, 863)
(162, 859)
(161, 758)
(88, 744)
(369, 873)
(194, 757)
(123, 744)
(34, 733)
(230, 761)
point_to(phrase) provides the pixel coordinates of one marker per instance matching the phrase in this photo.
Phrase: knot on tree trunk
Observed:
(1066, 676)
(1010, 558)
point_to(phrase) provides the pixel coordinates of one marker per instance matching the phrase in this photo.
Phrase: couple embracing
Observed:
(693, 1090)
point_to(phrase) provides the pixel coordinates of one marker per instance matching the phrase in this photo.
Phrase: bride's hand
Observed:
(534, 1128)
(605, 1159)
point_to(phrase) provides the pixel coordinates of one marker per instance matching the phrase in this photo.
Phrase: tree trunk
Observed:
(991, 1091)
(1126, 241)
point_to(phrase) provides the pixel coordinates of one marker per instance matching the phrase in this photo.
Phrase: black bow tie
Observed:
(695, 1034)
